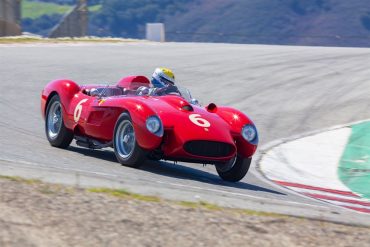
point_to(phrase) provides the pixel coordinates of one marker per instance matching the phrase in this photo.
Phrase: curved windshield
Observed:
(143, 90)
(172, 90)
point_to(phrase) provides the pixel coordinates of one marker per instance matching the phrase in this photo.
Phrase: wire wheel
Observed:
(125, 145)
(125, 139)
(54, 120)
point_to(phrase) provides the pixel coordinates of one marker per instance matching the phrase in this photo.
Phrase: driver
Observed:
(163, 82)
(163, 77)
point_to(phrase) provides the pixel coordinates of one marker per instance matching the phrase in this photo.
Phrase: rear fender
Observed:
(66, 90)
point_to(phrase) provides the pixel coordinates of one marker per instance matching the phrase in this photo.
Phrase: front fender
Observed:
(237, 120)
(139, 111)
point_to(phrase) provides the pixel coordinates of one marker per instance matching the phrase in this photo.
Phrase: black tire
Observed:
(126, 149)
(237, 171)
(58, 136)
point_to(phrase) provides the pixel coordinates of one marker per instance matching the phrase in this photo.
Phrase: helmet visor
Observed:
(165, 81)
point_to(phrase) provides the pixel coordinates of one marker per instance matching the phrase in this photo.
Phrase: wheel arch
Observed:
(138, 116)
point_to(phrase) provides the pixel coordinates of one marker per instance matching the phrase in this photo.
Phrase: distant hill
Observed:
(293, 22)
(297, 22)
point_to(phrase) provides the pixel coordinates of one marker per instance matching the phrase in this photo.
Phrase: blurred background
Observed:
(281, 22)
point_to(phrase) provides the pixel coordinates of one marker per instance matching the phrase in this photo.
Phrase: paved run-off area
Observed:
(332, 166)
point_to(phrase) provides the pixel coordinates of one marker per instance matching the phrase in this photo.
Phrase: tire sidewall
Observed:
(238, 171)
(137, 156)
(65, 136)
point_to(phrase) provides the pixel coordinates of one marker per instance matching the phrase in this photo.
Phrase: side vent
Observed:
(187, 108)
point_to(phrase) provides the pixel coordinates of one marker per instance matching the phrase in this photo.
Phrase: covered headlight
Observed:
(249, 133)
(154, 125)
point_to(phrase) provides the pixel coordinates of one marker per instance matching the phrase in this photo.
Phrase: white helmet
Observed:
(163, 77)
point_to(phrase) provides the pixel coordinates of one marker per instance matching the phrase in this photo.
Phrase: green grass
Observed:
(95, 8)
(125, 194)
(19, 179)
(34, 10)
(200, 204)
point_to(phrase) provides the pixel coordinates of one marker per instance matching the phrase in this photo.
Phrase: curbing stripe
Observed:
(363, 210)
(333, 198)
(310, 187)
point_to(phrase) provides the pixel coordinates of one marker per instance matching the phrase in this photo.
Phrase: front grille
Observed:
(208, 148)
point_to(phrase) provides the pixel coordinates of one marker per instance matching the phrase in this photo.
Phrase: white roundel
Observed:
(198, 120)
(78, 110)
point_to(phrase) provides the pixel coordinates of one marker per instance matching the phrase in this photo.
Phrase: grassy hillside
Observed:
(39, 17)
(36, 9)
(33, 10)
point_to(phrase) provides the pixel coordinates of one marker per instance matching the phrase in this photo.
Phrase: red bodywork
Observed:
(94, 117)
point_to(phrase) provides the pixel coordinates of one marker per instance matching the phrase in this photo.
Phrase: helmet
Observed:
(163, 77)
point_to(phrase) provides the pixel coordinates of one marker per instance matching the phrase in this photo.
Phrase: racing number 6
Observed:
(78, 110)
(197, 120)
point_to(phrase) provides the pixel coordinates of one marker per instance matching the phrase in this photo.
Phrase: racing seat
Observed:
(103, 91)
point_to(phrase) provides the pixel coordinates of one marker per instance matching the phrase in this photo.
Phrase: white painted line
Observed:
(240, 194)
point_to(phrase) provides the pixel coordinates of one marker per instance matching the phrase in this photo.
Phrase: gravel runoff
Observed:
(39, 214)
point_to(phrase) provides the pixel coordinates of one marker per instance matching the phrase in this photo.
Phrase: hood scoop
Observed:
(187, 108)
(179, 103)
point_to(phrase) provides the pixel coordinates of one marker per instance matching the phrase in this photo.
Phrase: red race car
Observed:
(141, 122)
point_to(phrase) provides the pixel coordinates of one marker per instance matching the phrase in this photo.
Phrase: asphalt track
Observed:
(287, 91)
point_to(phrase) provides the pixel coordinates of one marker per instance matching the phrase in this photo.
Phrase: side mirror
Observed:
(194, 102)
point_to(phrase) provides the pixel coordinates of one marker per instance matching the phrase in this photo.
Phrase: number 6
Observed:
(78, 110)
(197, 120)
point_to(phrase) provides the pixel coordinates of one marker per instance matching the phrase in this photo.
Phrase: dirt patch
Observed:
(37, 214)
(39, 40)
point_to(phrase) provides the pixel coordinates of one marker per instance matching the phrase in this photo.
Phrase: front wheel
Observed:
(127, 151)
(56, 132)
(234, 170)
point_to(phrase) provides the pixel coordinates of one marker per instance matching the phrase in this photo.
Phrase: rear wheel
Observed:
(127, 151)
(56, 132)
(235, 169)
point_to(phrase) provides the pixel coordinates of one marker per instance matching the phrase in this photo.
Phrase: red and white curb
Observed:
(309, 166)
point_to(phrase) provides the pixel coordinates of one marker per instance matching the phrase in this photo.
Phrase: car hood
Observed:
(189, 122)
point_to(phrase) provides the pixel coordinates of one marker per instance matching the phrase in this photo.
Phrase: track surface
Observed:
(286, 91)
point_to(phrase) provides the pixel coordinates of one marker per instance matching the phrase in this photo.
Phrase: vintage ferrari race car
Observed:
(140, 122)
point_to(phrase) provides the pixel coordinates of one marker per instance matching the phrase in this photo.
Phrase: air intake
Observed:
(187, 108)
(208, 148)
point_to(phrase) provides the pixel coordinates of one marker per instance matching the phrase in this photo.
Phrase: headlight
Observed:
(249, 133)
(154, 125)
